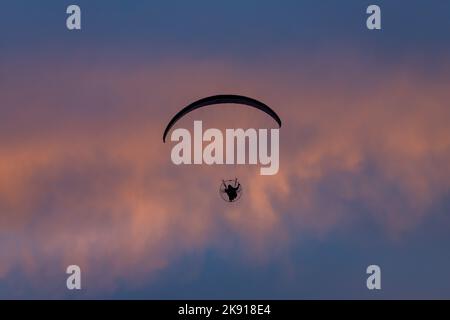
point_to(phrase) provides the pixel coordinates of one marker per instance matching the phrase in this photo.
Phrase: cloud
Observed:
(85, 178)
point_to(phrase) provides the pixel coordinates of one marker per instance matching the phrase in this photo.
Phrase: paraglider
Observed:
(229, 148)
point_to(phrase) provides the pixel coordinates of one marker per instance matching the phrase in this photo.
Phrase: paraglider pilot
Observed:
(232, 192)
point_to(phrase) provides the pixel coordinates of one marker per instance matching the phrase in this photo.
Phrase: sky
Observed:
(364, 150)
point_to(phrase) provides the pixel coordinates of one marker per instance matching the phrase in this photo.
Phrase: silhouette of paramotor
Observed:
(230, 190)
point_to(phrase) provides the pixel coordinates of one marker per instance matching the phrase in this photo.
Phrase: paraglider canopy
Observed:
(221, 99)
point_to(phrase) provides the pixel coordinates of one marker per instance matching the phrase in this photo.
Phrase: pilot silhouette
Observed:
(232, 192)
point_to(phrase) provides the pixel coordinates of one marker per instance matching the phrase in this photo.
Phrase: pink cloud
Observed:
(85, 178)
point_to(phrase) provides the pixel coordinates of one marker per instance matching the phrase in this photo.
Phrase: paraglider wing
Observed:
(222, 99)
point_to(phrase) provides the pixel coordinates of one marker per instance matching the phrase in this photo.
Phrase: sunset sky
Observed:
(364, 173)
